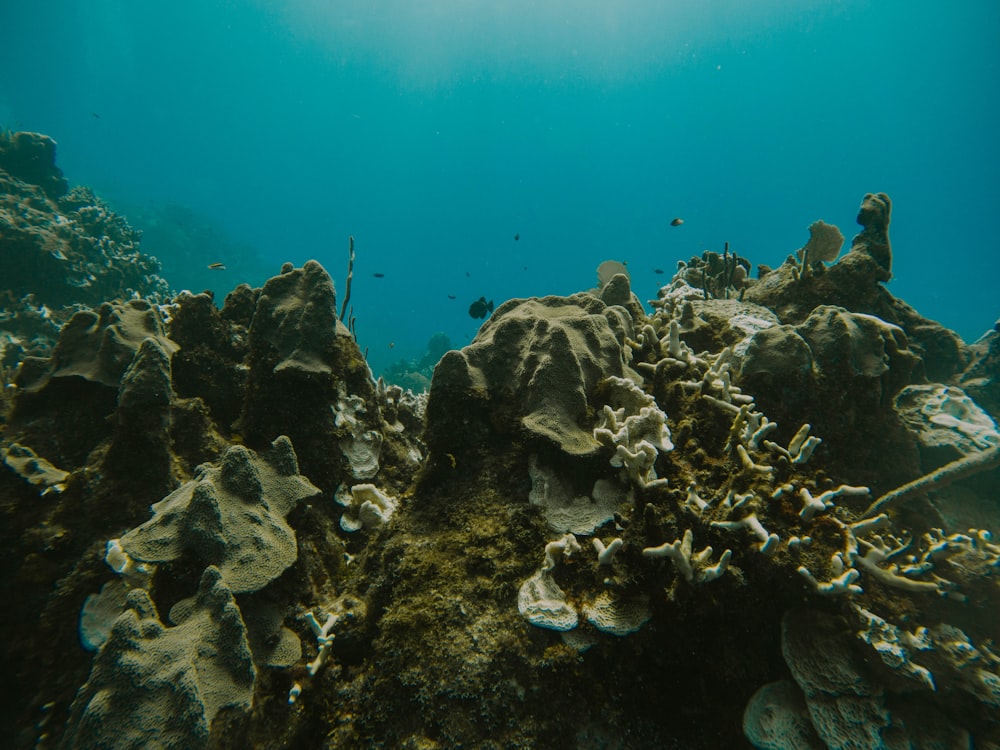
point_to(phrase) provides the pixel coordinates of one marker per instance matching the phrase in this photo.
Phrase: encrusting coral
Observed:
(617, 529)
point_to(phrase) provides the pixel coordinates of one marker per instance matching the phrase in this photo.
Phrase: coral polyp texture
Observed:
(158, 686)
(756, 512)
(231, 516)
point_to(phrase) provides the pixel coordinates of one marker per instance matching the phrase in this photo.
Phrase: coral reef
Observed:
(31, 158)
(59, 249)
(734, 521)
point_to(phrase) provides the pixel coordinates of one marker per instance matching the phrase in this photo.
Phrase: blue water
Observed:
(435, 131)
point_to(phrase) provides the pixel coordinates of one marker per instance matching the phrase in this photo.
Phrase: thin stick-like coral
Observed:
(350, 277)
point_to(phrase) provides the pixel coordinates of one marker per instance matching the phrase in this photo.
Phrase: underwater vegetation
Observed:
(757, 512)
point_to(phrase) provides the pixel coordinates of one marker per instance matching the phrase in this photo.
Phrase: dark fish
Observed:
(480, 308)
(676, 222)
(658, 271)
(378, 275)
(451, 296)
(517, 237)
(466, 274)
(96, 116)
(216, 266)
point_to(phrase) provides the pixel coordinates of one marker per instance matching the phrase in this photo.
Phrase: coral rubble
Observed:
(602, 527)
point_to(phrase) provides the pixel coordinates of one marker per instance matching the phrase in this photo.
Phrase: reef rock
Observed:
(847, 705)
(840, 371)
(981, 378)
(873, 240)
(296, 316)
(855, 283)
(213, 344)
(81, 382)
(34, 469)
(779, 361)
(947, 423)
(776, 718)
(851, 346)
(142, 418)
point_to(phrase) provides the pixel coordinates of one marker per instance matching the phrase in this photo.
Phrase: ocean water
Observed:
(436, 132)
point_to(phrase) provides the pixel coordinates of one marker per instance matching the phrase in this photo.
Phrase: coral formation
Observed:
(537, 359)
(157, 686)
(730, 520)
(824, 244)
(231, 516)
(31, 158)
(59, 248)
(34, 469)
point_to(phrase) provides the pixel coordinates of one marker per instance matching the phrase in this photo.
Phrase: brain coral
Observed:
(540, 359)
(231, 516)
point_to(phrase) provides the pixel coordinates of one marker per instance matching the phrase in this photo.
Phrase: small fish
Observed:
(392, 344)
(517, 236)
(676, 222)
(378, 275)
(480, 308)
(451, 296)
(658, 271)
(216, 266)
(96, 116)
(466, 274)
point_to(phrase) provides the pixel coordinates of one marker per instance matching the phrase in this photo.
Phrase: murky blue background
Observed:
(434, 131)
